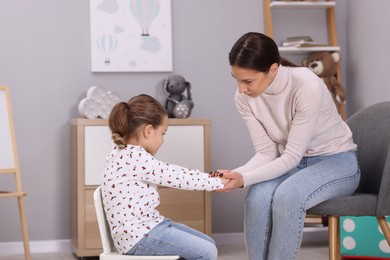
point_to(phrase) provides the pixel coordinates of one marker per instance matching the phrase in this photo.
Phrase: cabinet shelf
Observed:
(300, 5)
(305, 50)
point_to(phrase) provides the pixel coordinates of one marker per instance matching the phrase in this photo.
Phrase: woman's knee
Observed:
(291, 194)
(259, 193)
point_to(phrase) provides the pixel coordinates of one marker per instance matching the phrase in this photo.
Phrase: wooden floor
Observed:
(317, 251)
(307, 252)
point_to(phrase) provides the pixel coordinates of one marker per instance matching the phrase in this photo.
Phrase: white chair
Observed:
(109, 250)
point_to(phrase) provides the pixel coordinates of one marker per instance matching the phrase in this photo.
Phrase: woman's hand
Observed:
(235, 180)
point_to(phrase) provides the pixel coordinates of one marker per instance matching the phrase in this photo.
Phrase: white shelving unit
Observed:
(332, 45)
(328, 6)
(299, 5)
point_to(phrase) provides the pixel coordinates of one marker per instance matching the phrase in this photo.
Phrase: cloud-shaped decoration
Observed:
(98, 103)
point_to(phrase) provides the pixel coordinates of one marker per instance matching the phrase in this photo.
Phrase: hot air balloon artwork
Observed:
(131, 35)
(145, 11)
(107, 44)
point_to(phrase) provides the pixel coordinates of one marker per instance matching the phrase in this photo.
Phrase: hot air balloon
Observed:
(107, 44)
(145, 11)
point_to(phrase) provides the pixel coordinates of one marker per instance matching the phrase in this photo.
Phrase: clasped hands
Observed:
(231, 180)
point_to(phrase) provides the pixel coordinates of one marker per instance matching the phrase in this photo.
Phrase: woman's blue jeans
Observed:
(171, 238)
(275, 210)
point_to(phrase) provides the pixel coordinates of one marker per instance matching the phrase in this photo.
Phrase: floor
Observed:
(317, 251)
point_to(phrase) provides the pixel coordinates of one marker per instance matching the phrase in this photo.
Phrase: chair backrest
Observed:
(371, 132)
(109, 250)
(104, 229)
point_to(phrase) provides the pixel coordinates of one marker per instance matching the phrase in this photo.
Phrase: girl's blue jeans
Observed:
(171, 238)
(275, 210)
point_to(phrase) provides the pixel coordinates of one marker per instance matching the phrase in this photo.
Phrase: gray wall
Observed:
(45, 59)
(368, 40)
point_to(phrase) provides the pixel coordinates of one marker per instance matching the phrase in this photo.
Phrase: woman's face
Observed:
(251, 82)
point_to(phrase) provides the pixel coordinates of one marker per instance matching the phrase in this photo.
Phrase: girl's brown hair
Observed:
(126, 118)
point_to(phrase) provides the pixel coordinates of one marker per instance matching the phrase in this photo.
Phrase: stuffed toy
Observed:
(177, 104)
(324, 65)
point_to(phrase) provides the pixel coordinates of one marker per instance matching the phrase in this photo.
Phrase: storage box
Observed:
(362, 238)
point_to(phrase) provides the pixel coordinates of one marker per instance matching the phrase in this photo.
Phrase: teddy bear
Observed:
(177, 104)
(324, 65)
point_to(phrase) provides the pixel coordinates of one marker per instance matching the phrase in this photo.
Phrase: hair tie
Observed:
(128, 106)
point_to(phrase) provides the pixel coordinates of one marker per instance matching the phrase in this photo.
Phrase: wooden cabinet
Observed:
(186, 143)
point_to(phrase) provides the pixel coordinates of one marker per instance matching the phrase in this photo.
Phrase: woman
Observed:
(304, 152)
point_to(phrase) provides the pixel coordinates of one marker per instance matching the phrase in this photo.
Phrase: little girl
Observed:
(130, 186)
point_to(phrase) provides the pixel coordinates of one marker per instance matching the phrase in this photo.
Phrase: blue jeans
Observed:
(275, 210)
(171, 238)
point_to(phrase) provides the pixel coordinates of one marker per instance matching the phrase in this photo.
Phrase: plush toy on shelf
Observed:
(324, 65)
(177, 104)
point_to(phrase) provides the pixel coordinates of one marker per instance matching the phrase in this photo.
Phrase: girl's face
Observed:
(156, 137)
(251, 82)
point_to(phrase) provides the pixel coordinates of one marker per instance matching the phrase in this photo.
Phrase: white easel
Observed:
(9, 163)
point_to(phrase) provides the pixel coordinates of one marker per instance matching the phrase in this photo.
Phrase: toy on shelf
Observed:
(177, 104)
(324, 65)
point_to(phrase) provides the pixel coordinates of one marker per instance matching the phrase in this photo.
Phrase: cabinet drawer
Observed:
(98, 144)
(184, 146)
(92, 235)
(186, 207)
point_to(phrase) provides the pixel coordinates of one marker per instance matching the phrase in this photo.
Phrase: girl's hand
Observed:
(217, 174)
(235, 180)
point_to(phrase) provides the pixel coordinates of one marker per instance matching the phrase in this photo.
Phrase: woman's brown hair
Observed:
(126, 118)
(256, 51)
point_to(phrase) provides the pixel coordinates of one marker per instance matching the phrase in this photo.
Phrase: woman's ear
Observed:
(272, 71)
(274, 68)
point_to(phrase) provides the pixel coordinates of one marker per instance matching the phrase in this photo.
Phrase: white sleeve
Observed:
(175, 176)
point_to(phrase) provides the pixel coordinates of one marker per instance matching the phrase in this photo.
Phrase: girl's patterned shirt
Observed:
(130, 191)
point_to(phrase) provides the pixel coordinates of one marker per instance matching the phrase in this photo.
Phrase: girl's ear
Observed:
(147, 131)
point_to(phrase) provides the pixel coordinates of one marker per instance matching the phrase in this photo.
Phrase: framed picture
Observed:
(131, 35)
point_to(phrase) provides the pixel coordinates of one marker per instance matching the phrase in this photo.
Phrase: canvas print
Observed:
(131, 35)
